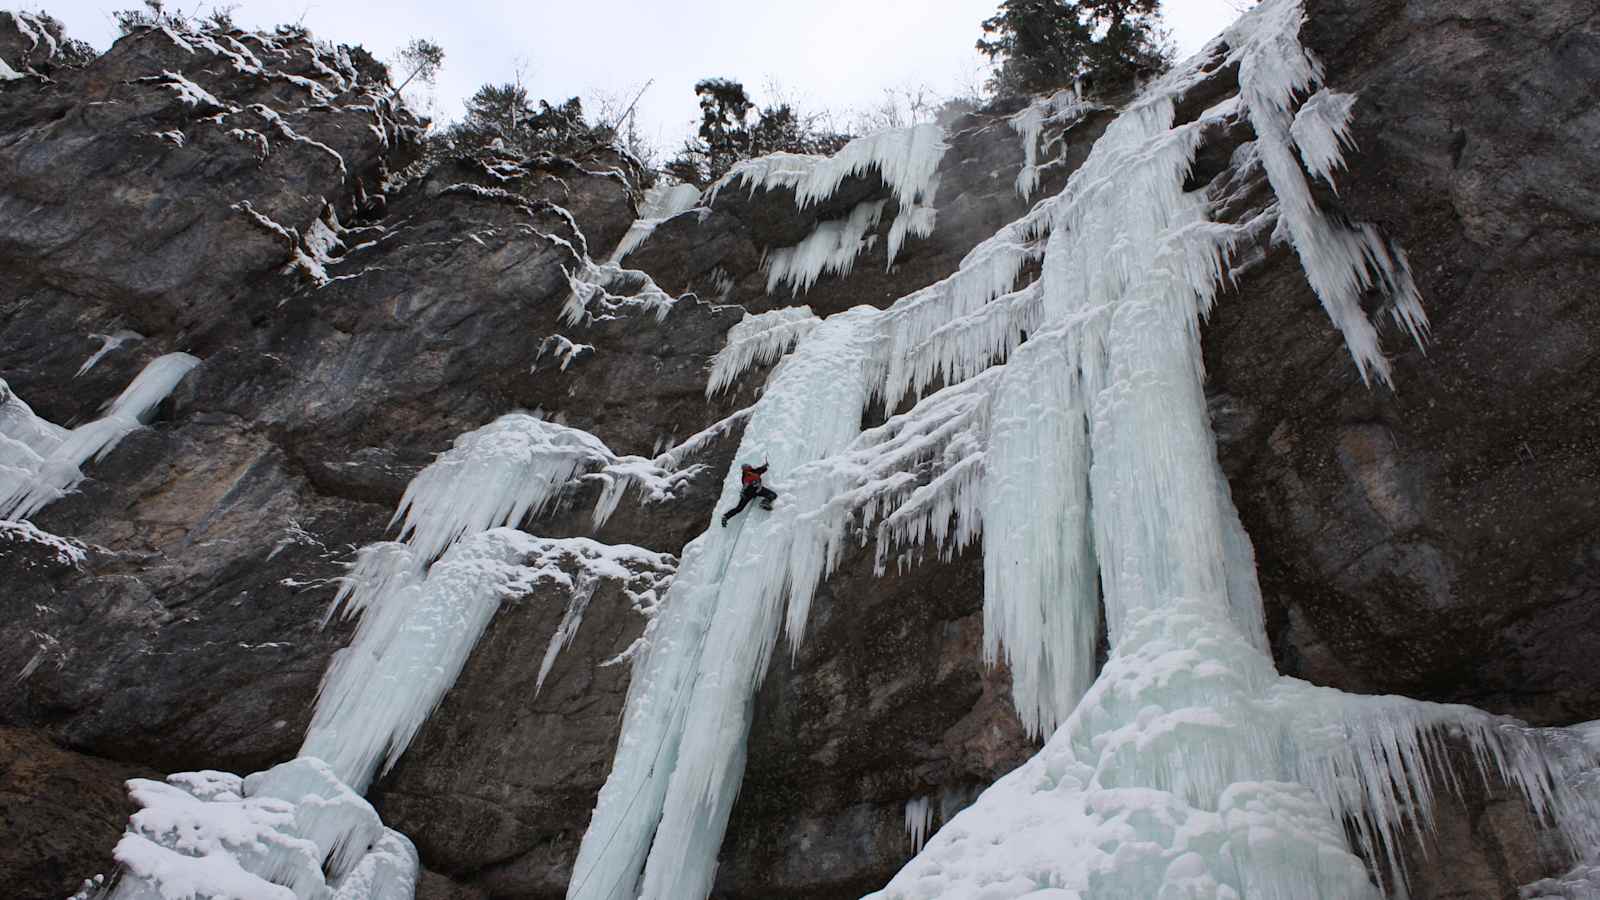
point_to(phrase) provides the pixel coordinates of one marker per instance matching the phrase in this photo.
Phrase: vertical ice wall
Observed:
(1189, 767)
(681, 755)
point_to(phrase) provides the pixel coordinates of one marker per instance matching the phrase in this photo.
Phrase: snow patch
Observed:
(65, 551)
(564, 349)
(189, 94)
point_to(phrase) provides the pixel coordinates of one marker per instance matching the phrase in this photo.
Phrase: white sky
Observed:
(824, 54)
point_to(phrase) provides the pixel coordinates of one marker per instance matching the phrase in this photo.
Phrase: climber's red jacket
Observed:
(751, 475)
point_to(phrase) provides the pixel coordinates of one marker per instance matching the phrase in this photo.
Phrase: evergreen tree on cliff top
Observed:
(502, 119)
(727, 133)
(1043, 45)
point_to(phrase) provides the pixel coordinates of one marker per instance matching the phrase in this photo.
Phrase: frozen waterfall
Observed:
(1082, 457)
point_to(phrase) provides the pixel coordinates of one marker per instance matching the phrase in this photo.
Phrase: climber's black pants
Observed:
(750, 492)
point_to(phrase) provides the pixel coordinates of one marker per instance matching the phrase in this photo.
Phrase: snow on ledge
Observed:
(669, 197)
(67, 552)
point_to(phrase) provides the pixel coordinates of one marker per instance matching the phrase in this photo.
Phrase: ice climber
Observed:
(751, 476)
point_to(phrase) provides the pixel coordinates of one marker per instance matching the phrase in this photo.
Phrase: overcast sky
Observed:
(824, 54)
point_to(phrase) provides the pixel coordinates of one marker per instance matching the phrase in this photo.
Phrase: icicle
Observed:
(1239, 564)
(680, 756)
(577, 605)
(1041, 599)
(382, 569)
(419, 622)
(1340, 262)
(41, 463)
(500, 474)
(906, 158)
(563, 349)
(25, 441)
(406, 653)
(504, 472)
(916, 222)
(1321, 130)
(1060, 107)
(919, 821)
(1188, 715)
(758, 340)
(410, 647)
(673, 459)
(591, 297)
(988, 271)
(1189, 767)
(109, 342)
(832, 247)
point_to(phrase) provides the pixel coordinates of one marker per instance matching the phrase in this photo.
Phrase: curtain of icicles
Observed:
(1083, 460)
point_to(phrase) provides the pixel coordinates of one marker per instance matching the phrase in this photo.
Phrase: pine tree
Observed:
(1043, 45)
(724, 132)
(502, 119)
(727, 134)
(421, 59)
(496, 112)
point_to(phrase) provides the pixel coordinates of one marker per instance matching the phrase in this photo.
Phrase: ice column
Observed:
(681, 756)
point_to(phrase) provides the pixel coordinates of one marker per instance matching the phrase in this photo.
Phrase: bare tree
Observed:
(900, 107)
(423, 58)
(617, 112)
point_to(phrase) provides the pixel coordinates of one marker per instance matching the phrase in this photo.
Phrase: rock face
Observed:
(252, 199)
(61, 811)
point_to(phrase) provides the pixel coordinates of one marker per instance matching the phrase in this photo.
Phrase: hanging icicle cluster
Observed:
(41, 462)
